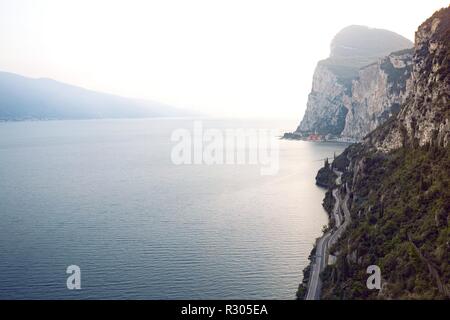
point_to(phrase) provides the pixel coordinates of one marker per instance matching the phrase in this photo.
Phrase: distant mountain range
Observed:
(23, 98)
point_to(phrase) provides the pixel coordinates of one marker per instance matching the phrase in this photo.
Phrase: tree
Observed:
(327, 164)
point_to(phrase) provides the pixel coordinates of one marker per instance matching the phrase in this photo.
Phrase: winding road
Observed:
(327, 240)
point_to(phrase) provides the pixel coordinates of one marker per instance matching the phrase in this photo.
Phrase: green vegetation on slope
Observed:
(400, 222)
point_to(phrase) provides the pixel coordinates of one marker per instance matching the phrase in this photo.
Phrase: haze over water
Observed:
(104, 195)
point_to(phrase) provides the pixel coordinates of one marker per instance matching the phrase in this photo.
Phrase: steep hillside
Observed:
(398, 184)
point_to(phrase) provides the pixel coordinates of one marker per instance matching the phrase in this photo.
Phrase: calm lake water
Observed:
(104, 195)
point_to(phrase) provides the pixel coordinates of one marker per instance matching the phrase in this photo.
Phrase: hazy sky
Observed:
(233, 58)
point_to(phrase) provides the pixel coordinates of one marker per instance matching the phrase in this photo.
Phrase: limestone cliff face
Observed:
(329, 94)
(377, 94)
(359, 86)
(425, 117)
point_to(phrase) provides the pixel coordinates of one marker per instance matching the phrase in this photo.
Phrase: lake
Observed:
(105, 195)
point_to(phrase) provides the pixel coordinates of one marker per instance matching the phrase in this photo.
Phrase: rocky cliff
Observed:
(360, 85)
(425, 116)
(398, 188)
(377, 93)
